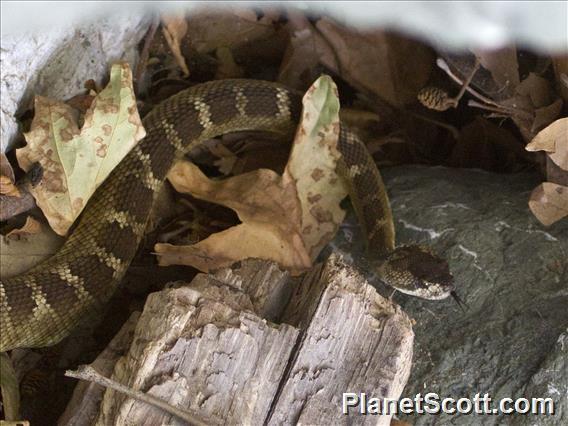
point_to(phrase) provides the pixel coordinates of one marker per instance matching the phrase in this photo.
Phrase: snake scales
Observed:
(42, 306)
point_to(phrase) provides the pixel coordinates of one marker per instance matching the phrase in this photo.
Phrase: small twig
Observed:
(492, 105)
(88, 373)
(498, 110)
(453, 130)
(444, 66)
(467, 81)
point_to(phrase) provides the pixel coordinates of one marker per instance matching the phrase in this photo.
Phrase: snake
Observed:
(43, 305)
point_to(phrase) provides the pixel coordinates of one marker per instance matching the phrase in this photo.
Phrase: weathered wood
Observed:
(268, 287)
(83, 408)
(205, 347)
(201, 347)
(355, 341)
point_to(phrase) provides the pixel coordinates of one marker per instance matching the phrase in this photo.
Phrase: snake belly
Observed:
(42, 306)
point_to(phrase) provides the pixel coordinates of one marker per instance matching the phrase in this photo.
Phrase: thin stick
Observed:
(444, 66)
(467, 81)
(88, 373)
(498, 107)
(453, 130)
(507, 112)
(499, 110)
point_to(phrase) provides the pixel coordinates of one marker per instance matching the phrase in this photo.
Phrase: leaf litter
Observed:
(287, 218)
(512, 98)
(549, 200)
(76, 161)
(374, 65)
(7, 178)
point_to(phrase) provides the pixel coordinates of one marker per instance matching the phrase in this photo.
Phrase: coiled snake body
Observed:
(42, 306)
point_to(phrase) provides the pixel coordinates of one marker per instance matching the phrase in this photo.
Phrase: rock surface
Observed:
(57, 63)
(511, 271)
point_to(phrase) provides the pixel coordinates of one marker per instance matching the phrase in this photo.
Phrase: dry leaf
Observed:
(253, 152)
(227, 67)
(555, 174)
(303, 53)
(17, 256)
(7, 178)
(174, 29)
(226, 158)
(312, 166)
(378, 62)
(269, 212)
(230, 27)
(554, 140)
(503, 65)
(359, 118)
(545, 115)
(31, 227)
(6, 168)
(75, 162)
(82, 103)
(7, 187)
(537, 89)
(367, 125)
(485, 145)
(286, 218)
(534, 106)
(549, 202)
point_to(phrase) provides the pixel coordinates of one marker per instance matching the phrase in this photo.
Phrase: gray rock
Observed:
(512, 273)
(57, 63)
(551, 381)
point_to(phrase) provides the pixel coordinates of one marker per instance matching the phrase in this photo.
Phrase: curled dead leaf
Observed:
(545, 115)
(549, 203)
(537, 89)
(376, 61)
(554, 141)
(503, 66)
(174, 28)
(266, 207)
(209, 29)
(6, 168)
(305, 50)
(31, 227)
(19, 255)
(7, 187)
(286, 218)
(7, 179)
